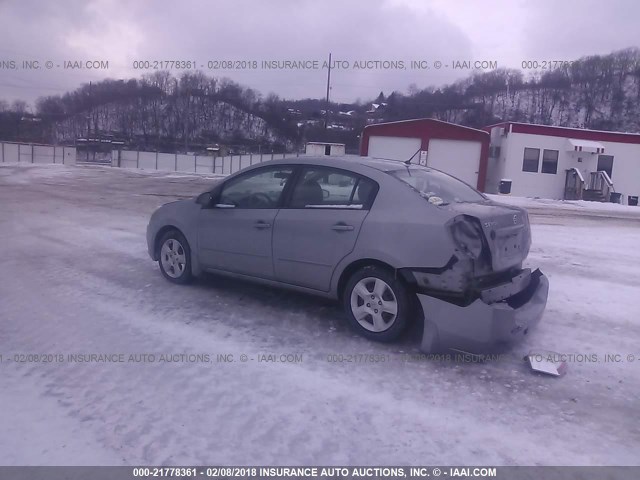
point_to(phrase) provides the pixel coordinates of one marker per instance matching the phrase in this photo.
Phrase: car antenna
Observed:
(408, 162)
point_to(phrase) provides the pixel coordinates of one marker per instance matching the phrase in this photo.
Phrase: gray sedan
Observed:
(391, 241)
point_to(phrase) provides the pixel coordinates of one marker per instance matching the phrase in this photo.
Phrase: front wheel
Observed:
(378, 305)
(175, 257)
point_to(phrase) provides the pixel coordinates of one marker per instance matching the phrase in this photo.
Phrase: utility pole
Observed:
(186, 123)
(326, 112)
(89, 116)
(88, 143)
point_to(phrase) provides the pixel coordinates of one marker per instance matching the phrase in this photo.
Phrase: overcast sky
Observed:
(121, 32)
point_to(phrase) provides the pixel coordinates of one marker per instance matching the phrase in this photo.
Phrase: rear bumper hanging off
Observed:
(490, 320)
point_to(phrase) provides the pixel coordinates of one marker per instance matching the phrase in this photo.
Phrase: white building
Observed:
(563, 163)
(324, 148)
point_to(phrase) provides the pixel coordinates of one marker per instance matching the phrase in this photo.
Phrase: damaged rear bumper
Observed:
(490, 320)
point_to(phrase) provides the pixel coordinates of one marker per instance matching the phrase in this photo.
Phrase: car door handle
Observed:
(260, 224)
(342, 227)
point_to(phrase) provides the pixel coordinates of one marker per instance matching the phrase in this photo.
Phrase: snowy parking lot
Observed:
(160, 388)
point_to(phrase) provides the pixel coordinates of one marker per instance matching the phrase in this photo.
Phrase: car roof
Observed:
(341, 161)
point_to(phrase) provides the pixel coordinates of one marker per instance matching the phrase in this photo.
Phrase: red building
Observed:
(460, 151)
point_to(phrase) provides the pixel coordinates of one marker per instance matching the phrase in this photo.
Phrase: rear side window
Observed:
(321, 187)
(436, 186)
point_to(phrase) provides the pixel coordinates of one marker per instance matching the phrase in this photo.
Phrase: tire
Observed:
(174, 257)
(372, 287)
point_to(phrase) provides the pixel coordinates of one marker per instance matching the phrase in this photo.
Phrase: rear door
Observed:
(320, 224)
(234, 234)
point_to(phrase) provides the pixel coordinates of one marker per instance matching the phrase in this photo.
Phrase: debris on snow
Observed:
(549, 363)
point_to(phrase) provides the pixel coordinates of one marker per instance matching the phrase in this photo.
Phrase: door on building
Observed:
(393, 148)
(459, 158)
(605, 162)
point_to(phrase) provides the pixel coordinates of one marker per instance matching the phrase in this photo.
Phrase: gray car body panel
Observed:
(479, 327)
(182, 215)
(402, 229)
(306, 250)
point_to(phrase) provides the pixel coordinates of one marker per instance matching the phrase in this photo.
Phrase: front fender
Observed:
(182, 216)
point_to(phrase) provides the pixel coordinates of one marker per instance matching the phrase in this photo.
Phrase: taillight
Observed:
(467, 235)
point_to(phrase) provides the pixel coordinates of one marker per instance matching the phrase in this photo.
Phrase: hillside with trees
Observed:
(168, 113)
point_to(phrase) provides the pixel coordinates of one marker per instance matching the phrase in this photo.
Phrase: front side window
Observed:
(261, 189)
(320, 187)
(531, 160)
(550, 161)
(437, 187)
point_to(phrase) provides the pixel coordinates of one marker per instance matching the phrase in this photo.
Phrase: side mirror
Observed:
(205, 199)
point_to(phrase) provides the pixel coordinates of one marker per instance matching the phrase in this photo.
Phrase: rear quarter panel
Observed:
(401, 230)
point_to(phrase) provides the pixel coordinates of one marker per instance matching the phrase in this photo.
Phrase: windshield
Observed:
(437, 187)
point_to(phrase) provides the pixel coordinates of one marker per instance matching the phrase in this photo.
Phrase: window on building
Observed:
(550, 161)
(531, 160)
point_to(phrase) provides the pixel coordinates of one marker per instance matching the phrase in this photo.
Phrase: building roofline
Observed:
(487, 127)
(569, 132)
(420, 120)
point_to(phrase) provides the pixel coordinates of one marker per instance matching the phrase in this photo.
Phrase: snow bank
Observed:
(582, 206)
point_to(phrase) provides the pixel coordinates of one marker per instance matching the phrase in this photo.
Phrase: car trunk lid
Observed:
(506, 230)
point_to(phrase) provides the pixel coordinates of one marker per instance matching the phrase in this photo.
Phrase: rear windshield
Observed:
(437, 187)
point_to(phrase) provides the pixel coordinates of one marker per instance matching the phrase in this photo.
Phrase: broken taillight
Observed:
(467, 235)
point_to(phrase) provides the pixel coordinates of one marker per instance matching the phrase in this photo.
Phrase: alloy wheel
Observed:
(373, 304)
(173, 258)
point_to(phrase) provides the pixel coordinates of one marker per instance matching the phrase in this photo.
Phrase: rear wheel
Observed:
(378, 305)
(174, 257)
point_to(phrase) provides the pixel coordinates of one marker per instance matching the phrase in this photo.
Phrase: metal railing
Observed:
(601, 182)
(574, 184)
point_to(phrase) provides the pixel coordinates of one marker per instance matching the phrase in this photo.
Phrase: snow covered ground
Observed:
(75, 278)
(540, 206)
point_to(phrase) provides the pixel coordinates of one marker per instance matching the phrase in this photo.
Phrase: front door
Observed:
(605, 163)
(234, 234)
(320, 225)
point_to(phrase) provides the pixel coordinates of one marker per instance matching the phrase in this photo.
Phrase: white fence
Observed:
(11, 152)
(34, 153)
(176, 162)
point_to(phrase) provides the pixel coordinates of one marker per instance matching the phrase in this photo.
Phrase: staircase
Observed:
(594, 195)
(598, 189)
